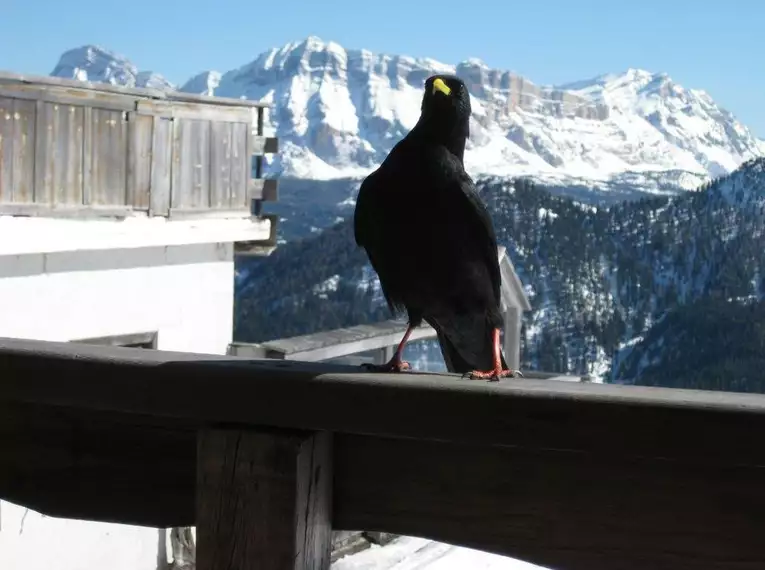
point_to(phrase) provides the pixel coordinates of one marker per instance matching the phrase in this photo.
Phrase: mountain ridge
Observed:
(339, 111)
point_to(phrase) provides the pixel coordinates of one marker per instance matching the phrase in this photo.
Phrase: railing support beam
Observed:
(264, 500)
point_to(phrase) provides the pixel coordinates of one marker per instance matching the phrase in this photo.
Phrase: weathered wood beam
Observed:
(101, 100)
(264, 145)
(264, 500)
(215, 100)
(199, 111)
(266, 189)
(11, 79)
(206, 388)
(567, 475)
(562, 509)
(77, 212)
(559, 509)
(333, 344)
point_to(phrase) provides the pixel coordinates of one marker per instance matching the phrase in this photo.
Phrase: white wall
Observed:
(190, 302)
(185, 292)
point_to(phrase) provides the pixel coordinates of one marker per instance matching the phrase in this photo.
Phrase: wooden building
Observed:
(120, 213)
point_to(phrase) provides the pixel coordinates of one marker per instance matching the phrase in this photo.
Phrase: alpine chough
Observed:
(430, 239)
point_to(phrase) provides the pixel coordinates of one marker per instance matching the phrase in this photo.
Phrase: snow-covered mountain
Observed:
(339, 111)
(99, 65)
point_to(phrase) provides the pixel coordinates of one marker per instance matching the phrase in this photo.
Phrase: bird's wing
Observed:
(368, 233)
(362, 220)
(475, 218)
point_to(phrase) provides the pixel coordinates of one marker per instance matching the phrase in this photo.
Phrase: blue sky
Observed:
(707, 44)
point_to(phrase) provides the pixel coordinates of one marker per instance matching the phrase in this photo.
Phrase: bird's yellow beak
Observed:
(439, 85)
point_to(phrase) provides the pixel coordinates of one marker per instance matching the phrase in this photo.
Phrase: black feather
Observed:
(429, 236)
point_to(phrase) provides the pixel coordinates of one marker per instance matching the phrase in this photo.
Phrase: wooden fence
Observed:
(70, 148)
(266, 457)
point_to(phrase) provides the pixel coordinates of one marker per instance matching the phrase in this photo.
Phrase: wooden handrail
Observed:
(566, 475)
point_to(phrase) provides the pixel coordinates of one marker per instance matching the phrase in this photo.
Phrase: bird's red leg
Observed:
(395, 364)
(498, 372)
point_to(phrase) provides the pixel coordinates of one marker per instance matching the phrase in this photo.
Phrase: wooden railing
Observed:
(265, 457)
(379, 340)
(72, 148)
(383, 337)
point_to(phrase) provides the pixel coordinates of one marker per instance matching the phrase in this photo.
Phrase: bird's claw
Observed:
(391, 366)
(493, 375)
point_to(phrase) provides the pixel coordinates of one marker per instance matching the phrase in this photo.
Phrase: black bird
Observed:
(430, 239)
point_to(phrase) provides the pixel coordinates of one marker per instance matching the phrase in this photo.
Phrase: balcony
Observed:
(266, 457)
(75, 149)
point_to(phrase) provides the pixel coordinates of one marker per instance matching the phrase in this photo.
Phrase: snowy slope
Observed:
(339, 111)
(408, 553)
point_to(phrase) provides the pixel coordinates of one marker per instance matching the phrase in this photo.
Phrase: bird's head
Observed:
(446, 106)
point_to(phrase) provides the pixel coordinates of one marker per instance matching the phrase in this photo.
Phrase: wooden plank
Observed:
(240, 166)
(53, 443)
(76, 212)
(67, 159)
(512, 336)
(200, 168)
(193, 111)
(257, 201)
(71, 97)
(58, 154)
(44, 157)
(220, 165)
(560, 509)
(335, 343)
(197, 214)
(23, 161)
(191, 164)
(87, 157)
(513, 292)
(264, 500)
(213, 100)
(140, 135)
(108, 160)
(266, 189)
(696, 425)
(264, 145)
(6, 150)
(7, 125)
(161, 166)
(16, 150)
(13, 80)
(247, 166)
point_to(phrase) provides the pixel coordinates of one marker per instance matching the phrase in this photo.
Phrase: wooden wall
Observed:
(70, 150)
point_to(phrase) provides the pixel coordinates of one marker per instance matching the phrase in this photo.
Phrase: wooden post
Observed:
(264, 500)
(385, 354)
(512, 344)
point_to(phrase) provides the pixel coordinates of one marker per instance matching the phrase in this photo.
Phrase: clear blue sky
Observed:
(708, 44)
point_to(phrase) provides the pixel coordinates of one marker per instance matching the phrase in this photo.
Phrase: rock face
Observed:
(339, 111)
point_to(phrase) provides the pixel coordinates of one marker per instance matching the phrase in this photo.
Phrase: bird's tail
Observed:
(467, 347)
